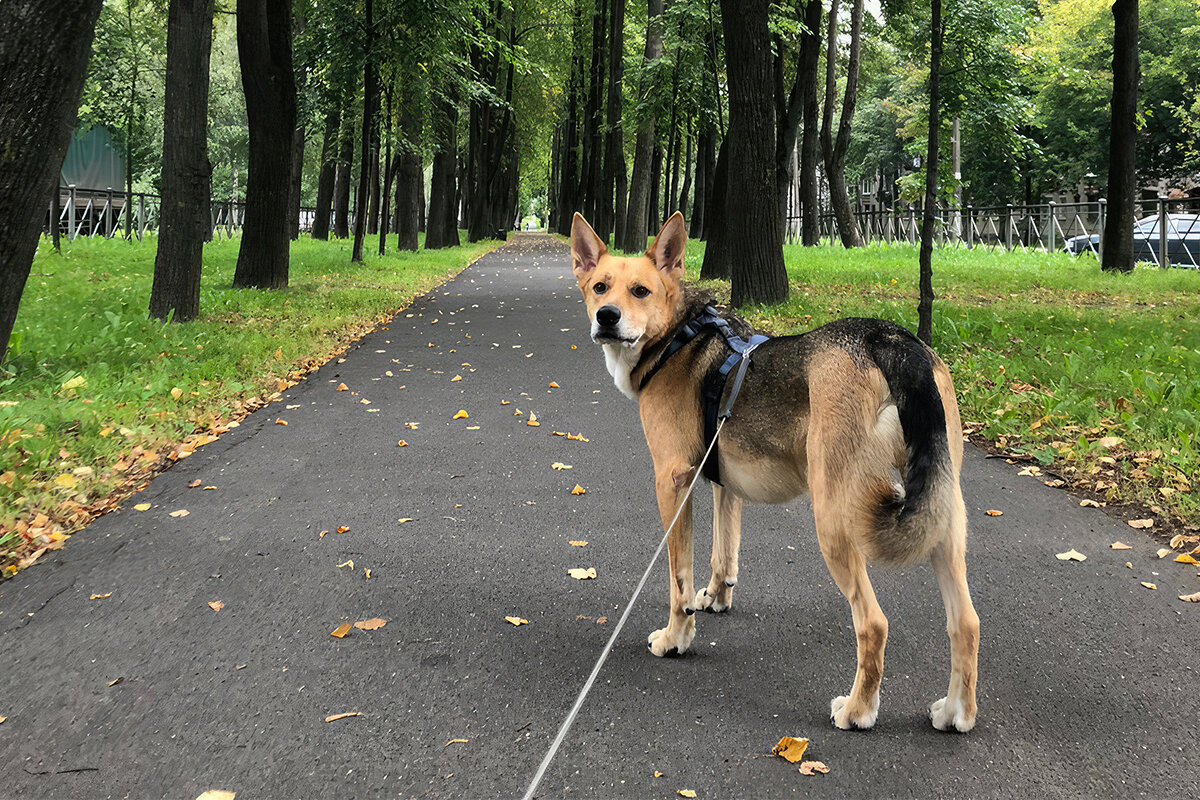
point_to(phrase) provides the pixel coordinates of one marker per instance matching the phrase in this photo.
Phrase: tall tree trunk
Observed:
(718, 256)
(751, 204)
(186, 173)
(408, 172)
(389, 172)
(373, 200)
(345, 159)
(696, 220)
(810, 55)
(929, 215)
(1122, 168)
(788, 107)
(264, 37)
(652, 220)
(442, 229)
(834, 150)
(589, 188)
(637, 210)
(298, 137)
(370, 100)
(682, 205)
(612, 204)
(320, 227)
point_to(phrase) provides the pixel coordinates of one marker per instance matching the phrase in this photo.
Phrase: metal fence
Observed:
(1050, 227)
(109, 212)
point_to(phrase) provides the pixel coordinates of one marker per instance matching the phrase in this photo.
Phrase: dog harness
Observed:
(706, 321)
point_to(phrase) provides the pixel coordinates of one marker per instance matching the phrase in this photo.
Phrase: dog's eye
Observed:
(600, 288)
(640, 291)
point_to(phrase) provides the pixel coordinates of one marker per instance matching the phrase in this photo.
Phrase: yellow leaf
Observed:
(1089, 504)
(334, 717)
(812, 767)
(401, 443)
(685, 793)
(658, 774)
(177, 393)
(412, 426)
(78, 382)
(1187, 598)
(208, 488)
(322, 534)
(1031, 471)
(342, 529)
(533, 421)
(582, 574)
(554, 385)
(100, 596)
(456, 378)
(1184, 558)
(1163, 552)
(506, 402)
(104, 432)
(66, 480)
(341, 630)
(991, 512)
(790, 748)
(578, 490)
(1149, 585)
(1109, 442)
(455, 741)
(1120, 546)
(462, 414)
(402, 520)
(579, 543)
(281, 422)
(142, 507)
(518, 413)
(341, 387)
(516, 621)
(472, 427)
(560, 465)
(183, 512)
(578, 437)
(1141, 524)
(216, 605)
(347, 563)
(372, 624)
(216, 794)
(1071, 555)
(366, 574)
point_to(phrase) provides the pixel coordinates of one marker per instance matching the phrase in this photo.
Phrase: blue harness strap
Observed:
(714, 381)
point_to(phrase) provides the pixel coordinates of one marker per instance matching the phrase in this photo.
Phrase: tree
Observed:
(925, 303)
(637, 210)
(612, 193)
(369, 153)
(44, 50)
(264, 36)
(442, 228)
(751, 202)
(186, 173)
(1117, 250)
(834, 150)
(320, 226)
(810, 154)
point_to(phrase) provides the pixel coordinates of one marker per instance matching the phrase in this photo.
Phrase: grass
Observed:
(1093, 377)
(95, 396)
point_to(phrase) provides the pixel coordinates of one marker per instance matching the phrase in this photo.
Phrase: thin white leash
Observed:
(566, 725)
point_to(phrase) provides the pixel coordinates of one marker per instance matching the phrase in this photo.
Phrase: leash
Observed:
(587, 686)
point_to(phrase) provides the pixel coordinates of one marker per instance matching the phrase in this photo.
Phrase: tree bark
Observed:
(370, 99)
(682, 205)
(389, 173)
(264, 37)
(652, 219)
(341, 184)
(320, 228)
(696, 220)
(810, 54)
(43, 62)
(1117, 250)
(637, 210)
(788, 107)
(834, 150)
(751, 204)
(442, 228)
(373, 200)
(186, 173)
(298, 137)
(717, 263)
(611, 202)
(408, 172)
(925, 256)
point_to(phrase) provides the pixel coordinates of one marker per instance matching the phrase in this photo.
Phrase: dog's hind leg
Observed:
(727, 537)
(671, 484)
(956, 711)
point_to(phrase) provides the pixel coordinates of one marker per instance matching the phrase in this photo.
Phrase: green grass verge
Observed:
(94, 393)
(1051, 357)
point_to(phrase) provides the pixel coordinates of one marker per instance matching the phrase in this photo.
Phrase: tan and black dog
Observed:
(859, 413)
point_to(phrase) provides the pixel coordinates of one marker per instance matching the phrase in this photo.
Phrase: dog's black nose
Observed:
(608, 316)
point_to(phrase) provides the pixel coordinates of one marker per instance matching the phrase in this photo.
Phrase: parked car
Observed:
(1183, 240)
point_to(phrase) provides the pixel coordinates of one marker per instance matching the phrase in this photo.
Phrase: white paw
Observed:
(708, 602)
(947, 714)
(847, 718)
(665, 642)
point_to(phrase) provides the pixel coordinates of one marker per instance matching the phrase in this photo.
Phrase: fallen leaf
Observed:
(601, 620)
(580, 574)
(1055, 483)
(1128, 565)
(813, 767)
(239, 666)
(658, 774)
(100, 596)
(216, 794)
(195, 483)
(2, 719)
(1149, 585)
(1031, 471)
(578, 437)
(403, 520)
(341, 387)
(1163, 552)
(65, 480)
(1120, 546)
(560, 465)
(1089, 504)
(1141, 524)
(115, 681)
(208, 488)
(342, 529)
(341, 630)
(790, 748)
(533, 420)
(375, 623)
(1184, 558)
(685, 793)
(183, 512)
(281, 422)
(176, 392)
(142, 507)
(322, 534)
(216, 605)
(554, 385)
(462, 414)
(1071, 555)
(366, 574)
(578, 490)
(517, 621)
(991, 512)
(518, 413)
(455, 741)
(343, 716)
(1187, 598)
(506, 402)
(412, 426)
(578, 543)
(472, 427)
(347, 563)
(401, 443)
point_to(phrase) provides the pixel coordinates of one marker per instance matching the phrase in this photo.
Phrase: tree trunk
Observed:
(389, 174)
(1117, 248)
(442, 229)
(833, 150)
(687, 179)
(43, 62)
(408, 172)
(341, 184)
(718, 257)
(696, 220)
(925, 256)
(294, 185)
(637, 210)
(652, 220)
(612, 206)
(751, 204)
(186, 173)
(593, 141)
(810, 54)
(370, 99)
(264, 37)
(788, 107)
(320, 228)
(373, 200)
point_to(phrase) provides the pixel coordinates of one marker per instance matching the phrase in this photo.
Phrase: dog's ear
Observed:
(668, 247)
(586, 247)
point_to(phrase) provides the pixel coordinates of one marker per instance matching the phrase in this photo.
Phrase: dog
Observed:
(859, 413)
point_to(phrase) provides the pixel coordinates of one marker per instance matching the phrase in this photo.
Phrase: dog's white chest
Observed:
(620, 361)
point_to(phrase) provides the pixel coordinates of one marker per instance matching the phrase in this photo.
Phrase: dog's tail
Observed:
(906, 526)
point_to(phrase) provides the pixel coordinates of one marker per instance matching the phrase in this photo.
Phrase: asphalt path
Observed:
(1087, 682)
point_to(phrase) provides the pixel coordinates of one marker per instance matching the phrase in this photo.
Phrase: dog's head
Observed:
(630, 300)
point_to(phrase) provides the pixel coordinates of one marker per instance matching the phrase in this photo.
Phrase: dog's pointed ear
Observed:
(586, 247)
(667, 249)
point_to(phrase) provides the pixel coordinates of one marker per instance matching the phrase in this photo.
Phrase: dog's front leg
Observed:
(671, 485)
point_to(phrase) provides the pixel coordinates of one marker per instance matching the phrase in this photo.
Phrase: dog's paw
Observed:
(949, 715)
(850, 718)
(721, 601)
(665, 642)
